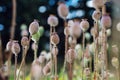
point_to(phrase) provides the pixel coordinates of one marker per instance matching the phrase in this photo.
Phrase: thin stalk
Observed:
(13, 23)
(55, 58)
(52, 59)
(66, 48)
(15, 67)
(83, 44)
(22, 63)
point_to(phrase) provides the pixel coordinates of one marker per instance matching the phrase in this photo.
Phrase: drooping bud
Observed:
(63, 10)
(106, 21)
(52, 21)
(33, 28)
(75, 30)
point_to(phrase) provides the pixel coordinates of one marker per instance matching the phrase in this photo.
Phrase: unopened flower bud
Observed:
(52, 21)
(63, 10)
(33, 28)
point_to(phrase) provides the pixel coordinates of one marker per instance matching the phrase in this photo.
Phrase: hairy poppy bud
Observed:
(33, 28)
(52, 21)
(63, 10)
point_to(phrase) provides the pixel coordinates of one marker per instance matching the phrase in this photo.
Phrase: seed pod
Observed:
(15, 47)
(98, 3)
(106, 21)
(24, 41)
(96, 15)
(47, 68)
(115, 62)
(55, 38)
(84, 25)
(24, 33)
(33, 28)
(52, 20)
(55, 51)
(63, 10)
(75, 30)
(67, 31)
(87, 72)
(9, 45)
(70, 56)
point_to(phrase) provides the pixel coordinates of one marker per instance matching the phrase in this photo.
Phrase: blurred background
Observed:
(28, 10)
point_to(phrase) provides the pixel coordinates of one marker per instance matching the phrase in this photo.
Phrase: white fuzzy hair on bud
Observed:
(52, 20)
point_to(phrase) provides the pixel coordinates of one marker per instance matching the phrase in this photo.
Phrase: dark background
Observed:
(27, 11)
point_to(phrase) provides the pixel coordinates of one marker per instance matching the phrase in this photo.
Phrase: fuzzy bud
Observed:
(106, 21)
(15, 47)
(33, 28)
(55, 38)
(52, 21)
(75, 30)
(84, 25)
(63, 10)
